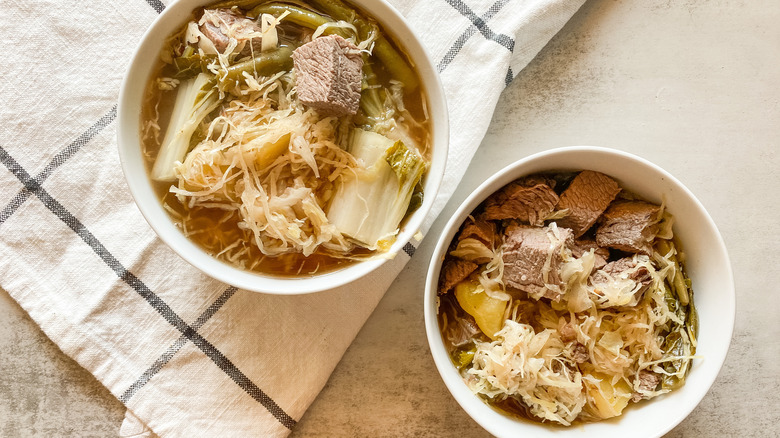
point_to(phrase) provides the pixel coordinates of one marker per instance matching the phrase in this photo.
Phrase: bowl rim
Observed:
(492, 420)
(130, 157)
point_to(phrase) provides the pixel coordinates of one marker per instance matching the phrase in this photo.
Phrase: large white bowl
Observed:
(129, 141)
(707, 264)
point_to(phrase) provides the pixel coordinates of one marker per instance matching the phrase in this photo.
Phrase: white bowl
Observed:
(128, 136)
(707, 264)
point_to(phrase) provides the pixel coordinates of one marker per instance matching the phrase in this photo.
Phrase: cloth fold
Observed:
(187, 355)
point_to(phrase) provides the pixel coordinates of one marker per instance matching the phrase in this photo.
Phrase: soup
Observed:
(287, 138)
(563, 299)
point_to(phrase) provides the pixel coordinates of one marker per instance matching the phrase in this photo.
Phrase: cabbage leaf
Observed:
(195, 99)
(370, 203)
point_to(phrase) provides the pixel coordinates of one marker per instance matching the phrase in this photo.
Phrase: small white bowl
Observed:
(128, 136)
(707, 264)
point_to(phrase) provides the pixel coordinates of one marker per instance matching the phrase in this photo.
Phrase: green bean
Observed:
(340, 11)
(395, 64)
(678, 283)
(663, 247)
(299, 16)
(244, 4)
(265, 64)
(692, 326)
(679, 286)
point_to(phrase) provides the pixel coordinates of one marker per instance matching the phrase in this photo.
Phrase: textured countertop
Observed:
(692, 85)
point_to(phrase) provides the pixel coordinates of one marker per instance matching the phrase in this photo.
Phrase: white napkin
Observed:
(187, 355)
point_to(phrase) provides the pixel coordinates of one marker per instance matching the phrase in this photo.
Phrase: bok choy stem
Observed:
(369, 205)
(195, 99)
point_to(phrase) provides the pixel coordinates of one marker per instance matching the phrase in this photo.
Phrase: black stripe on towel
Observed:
(175, 347)
(57, 161)
(157, 5)
(482, 26)
(471, 30)
(156, 302)
(509, 76)
(409, 249)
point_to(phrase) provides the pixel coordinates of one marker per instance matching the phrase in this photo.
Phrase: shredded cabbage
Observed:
(531, 366)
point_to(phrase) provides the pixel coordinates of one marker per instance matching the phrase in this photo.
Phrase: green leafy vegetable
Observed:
(465, 357)
(676, 369)
(190, 63)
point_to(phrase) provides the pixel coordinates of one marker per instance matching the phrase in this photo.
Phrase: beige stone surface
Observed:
(691, 85)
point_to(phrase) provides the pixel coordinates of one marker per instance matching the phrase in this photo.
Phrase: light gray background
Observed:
(692, 85)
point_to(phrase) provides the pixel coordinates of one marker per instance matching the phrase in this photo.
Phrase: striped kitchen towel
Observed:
(187, 355)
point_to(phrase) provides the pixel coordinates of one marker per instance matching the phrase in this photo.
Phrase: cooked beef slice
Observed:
(216, 36)
(481, 230)
(580, 353)
(476, 241)
(329, 72)
(525, 253)
(582, 246)
(453, 272)
(629, 226)
(219, 23)
(625, 267)
(464, 330)
(625, 264)
(528, 200)
(648, 381)
(586, 198)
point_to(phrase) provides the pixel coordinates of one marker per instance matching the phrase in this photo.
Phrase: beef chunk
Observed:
(219, 23)
(648, 381)
(580, 353)
(528, 200)
(582, 246)
(629, 226)
(476, 241)
(586, 198)
(463, 330)
(525, 254)
(481, 230)
(329, 73)
(453, 272)
(625, 264)
(216, 36)
(625, 268)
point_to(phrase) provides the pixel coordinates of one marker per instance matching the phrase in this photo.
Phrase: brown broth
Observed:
(215, 232)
